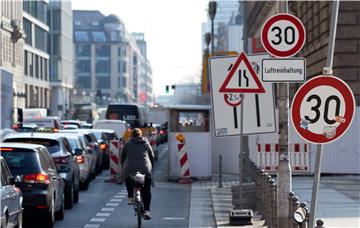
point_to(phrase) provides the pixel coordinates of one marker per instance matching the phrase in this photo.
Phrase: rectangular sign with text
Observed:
(283, 70)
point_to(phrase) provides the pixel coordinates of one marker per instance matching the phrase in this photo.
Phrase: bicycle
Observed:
(138, 180)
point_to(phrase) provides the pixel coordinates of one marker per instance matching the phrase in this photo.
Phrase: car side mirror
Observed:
(78, 151)
(300, 215)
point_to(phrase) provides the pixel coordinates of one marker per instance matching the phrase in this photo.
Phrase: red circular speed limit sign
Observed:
(323, 109)
(283, 35)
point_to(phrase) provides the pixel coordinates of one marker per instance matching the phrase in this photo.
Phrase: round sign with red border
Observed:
(283, 35)
(323, 109)
(233, 99)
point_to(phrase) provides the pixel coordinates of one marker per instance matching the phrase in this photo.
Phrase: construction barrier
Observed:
(183, 160)
(268, 157)
(115, 161)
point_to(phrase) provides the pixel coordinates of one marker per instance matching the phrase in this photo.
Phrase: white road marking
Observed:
(119, 196)
(112, 204)
(92, 226)
(115, 200)
(173, 218)
(97, 220)
(103, 214)
(122, 193)
(108, 209)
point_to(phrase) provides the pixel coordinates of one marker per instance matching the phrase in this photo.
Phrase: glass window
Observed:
(98, 36)
(83, 50)
(26, 6)
(32, 8)
(103, 82)
(56, 20)
(81, 36)
(78, 23)
(26, 69)
(27, 29)
(102, 66)
(83, 66)
(46, 74)
(123, 82)
(123, 67)
(56, 44)
(119, 66)
(41, 13)
(31, 65)
(191, 121)
(54, 70)
(119, 51)
(102, 50)
(83, 82)
(40, 38)
(36, 66)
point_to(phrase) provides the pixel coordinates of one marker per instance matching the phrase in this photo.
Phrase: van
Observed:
(49, 122)
(119, 126)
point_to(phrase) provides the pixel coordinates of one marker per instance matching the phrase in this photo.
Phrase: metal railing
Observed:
(266, 199)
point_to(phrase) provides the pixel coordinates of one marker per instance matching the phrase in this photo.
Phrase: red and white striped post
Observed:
(114, 161)
(183, 160)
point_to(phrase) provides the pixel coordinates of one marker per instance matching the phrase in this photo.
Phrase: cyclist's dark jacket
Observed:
(137, 156)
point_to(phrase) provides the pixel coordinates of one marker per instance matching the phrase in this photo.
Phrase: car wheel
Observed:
(50, 217)
(85, 185)
(20, 220)
(69, 198)
(76, 192)
(61, 213)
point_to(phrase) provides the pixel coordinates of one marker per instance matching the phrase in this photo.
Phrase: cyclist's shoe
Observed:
(131, 201)
(147, 215)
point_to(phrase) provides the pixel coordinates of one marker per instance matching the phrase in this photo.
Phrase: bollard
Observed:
(274, 208)
(294, 205)
(220, 171)
(290, 215)
(319, 223)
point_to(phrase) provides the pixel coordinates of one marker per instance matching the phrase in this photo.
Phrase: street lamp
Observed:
(212, 13)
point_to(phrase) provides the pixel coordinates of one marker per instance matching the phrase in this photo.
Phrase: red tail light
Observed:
(129, 130)
(62, 160)
(103, 146)
(161, 132)
(6, 149)
(56, 130)
(40, 178)
(80, 159)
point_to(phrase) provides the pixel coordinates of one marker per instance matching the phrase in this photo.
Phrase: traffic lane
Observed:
(169, 208)
(91, 201)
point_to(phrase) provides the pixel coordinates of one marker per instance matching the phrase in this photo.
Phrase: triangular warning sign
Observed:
(247, 73)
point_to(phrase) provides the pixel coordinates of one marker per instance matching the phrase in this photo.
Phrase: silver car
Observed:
(83, 158)
(11, 199)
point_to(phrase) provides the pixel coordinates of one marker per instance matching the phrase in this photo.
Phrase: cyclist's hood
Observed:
(138, 140)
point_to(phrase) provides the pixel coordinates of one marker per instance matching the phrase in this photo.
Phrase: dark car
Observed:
(62, 154)
(41, 185)
(11, 199)
(104, 137)
(94, 145)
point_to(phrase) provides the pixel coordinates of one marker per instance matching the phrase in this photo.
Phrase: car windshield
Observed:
(21, 162)
(73, 142)
(53, 146)
(97, 135)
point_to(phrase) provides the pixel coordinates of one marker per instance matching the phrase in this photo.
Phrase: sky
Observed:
(172, 31)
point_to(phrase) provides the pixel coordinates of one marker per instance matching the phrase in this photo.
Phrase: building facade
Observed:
(61, 56)
(109, 64)
(36, 57)
(12, 47)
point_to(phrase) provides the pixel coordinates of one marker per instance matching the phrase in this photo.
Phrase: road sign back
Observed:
(242, 78)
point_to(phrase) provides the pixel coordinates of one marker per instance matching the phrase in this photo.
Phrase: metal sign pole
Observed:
(241, 157)
(319, 147)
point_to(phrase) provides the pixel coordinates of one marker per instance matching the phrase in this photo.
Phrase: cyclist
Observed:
(138, 156)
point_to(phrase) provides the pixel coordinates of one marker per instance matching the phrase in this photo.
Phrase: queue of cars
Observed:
(47, 167)
(45, 163)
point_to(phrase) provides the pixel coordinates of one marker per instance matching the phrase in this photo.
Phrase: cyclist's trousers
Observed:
(145, 190)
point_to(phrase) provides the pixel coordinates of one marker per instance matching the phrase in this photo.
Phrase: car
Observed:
(41, 185)
(119, 126)
(70, 126)
(28, 128)
(49, 122)
(11, 199)
(104, 145)
(61, 152)
(94, 145)
(83, 158)
(78, 123)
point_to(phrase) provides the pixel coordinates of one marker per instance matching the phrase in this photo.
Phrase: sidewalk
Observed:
(338, 201)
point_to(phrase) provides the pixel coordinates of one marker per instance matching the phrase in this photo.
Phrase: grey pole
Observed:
(284, 181)
(212, 13)
(327, 71)
(220, 172)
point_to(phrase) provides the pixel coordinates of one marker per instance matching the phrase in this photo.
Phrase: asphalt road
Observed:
(105, 204)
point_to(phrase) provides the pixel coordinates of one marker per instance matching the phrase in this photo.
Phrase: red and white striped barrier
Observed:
(184, 164)
(268, 157)
(114, 161)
